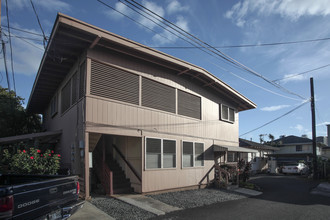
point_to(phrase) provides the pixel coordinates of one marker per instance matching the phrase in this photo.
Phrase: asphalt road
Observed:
(284, 197)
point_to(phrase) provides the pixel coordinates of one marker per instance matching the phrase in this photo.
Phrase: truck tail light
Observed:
(78, 187)
(6, 203)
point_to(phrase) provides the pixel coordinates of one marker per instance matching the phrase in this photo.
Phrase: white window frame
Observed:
(229, 108)
(194, 155)
(161, 153)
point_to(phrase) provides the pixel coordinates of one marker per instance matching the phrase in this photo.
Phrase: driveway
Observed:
(284, 197)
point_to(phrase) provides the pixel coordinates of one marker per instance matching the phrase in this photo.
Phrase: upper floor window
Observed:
(227, 113)
(189, 105)
(298, 147)
(66, 97)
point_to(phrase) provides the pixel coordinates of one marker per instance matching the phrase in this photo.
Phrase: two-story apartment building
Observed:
(127, 111)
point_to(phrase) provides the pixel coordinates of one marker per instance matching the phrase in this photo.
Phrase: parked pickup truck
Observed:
(38, 196)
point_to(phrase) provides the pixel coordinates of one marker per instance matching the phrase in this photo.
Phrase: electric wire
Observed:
(25, 31)
(292, 110)
(5, 62)
(214, 50)
(297, 74)
(26, 38)
(42, 30)
(22, 39)
(11, 49)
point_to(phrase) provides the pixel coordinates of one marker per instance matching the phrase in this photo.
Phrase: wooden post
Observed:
(86, 154)
(313, 129)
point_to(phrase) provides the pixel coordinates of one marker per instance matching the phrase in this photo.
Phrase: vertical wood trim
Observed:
(140, 90)
(176, 101)
(87, 193)
(88, 76)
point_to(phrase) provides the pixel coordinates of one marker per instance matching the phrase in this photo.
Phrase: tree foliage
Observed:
(14, 120)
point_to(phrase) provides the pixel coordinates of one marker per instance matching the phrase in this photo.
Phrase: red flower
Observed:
(58, 155)
(52, 151)
(49, 155)
(32, 158)
(41, 155)
(38, 151)
(24, 151)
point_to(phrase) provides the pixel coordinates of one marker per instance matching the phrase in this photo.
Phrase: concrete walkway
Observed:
(248, 192)
(147, 203)
(89, 211)
(322, 189)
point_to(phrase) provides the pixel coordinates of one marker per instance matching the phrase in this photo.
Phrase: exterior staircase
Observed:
(121, 184)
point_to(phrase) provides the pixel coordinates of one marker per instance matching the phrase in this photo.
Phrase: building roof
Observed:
(255, 145)
(288, 140)
(70, 38)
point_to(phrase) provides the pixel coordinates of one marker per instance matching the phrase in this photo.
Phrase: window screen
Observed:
(153, 153)
(189, 105)
(113, 83)
(187, 154)
(226, 113)
(232, 157)
(53, 105)
(158, 96)
(298, 147)
(169, 154)
(66, 96)
(199, 154)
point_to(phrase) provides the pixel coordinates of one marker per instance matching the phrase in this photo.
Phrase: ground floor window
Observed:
(160, 153)
(231, 157)
(192, 154)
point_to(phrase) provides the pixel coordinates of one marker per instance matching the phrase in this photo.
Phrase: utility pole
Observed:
(313, 129)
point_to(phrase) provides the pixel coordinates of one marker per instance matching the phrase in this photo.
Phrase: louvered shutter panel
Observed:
(189, 105)
(153, 153)
(113, 83)
(158, 96)
(82, 77)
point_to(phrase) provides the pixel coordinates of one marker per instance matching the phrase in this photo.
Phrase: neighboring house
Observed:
(326, 148)
(260, 160)
(293, 148)
(150, 117)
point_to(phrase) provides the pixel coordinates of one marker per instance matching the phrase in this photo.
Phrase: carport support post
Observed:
(313, 129)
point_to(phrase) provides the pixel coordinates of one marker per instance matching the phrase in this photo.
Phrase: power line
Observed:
(299, 106)
(5, 62)
(11, 49)
(294, 75)
(26, 38)
(42, 30)
(250, 45)
(27, 42)
(207, 46)
(25, 31)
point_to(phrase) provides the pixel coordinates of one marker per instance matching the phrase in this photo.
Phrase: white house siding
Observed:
(291, 149)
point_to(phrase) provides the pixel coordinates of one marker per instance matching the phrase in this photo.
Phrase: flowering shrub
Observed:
(32, 161)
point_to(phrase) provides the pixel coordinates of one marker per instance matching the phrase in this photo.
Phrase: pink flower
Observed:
(58, 155)
(32, 158)
(41, 155)
(52, 151)
(49, 155)
(38, 151)
(24, 151)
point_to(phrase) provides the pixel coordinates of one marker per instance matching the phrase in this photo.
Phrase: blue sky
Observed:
(219, 23)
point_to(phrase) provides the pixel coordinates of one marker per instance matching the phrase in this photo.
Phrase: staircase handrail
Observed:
(127, 163)
(105, 174)
(206, 176)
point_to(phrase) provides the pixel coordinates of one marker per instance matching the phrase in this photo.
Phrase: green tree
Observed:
(14, 120)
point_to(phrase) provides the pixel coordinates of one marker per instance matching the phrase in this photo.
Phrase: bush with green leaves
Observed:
(32, 161)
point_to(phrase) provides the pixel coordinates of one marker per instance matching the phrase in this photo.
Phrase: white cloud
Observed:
(49, 5)
(154, 8)
(117, 15)
(166, 37)
(299, 127)
(274, 108)
(175, 6)
(324, 123)
(291, 9)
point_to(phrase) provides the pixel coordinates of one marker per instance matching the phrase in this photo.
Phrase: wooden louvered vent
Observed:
(113, 83)
(158, 96)
(189, 105)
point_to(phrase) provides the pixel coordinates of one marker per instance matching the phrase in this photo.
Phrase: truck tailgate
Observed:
(40, 198)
